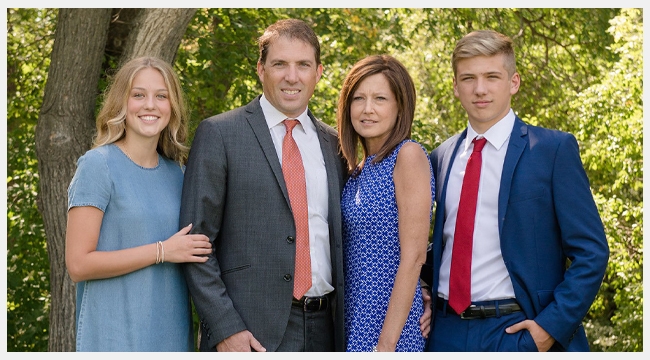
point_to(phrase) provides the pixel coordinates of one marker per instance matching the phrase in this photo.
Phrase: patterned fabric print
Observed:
(371, 257)
(294, 176)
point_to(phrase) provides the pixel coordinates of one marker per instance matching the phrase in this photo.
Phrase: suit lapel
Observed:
(259, 126)
(518, 142)
(447, 162)
(335, 180)
(446, 156)
(258, 123)
(331, 166)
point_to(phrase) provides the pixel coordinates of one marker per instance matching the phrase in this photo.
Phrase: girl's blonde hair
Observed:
(111, 120)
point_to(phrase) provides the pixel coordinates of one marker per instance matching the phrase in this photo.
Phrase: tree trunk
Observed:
(66, 125)
(123, 21)
(64, 131)
(158, 32)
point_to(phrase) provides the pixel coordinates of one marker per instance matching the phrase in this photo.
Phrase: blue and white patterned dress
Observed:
(372, 256)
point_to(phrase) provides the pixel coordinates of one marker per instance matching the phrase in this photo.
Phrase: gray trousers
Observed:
(308, 331)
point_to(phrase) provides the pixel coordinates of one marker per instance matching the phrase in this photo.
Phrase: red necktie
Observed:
(294, 177)
(460, 277)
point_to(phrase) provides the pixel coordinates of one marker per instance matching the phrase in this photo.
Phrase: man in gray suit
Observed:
(235, 193)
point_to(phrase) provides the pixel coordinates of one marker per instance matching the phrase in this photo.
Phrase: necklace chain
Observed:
(123, 148)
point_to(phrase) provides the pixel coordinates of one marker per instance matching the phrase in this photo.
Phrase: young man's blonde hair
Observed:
(485, 43)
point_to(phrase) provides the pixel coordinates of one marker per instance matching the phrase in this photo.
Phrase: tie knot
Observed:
(289, 124)
(479, 144)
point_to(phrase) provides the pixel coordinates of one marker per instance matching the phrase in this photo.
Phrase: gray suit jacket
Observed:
(234, 192)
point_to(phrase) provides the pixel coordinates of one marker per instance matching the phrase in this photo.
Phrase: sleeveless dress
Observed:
(148, 309)
(371, 256)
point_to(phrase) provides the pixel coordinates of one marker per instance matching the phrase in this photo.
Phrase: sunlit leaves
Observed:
(610, 128)
(29, 42)
(581, 72)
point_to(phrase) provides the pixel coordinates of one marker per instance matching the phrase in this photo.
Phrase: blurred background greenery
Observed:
(581, 70)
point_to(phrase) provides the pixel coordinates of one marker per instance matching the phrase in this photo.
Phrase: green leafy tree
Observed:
(29, 43)
(559, 52)
(609, 127)
(581, 72)
(218, 57)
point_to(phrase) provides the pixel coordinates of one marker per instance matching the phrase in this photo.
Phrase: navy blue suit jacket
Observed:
(552, 238)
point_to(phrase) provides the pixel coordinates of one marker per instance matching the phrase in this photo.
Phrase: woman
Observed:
(122, 238)
(386, 207)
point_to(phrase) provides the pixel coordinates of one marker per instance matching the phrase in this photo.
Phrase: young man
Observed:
(537, 247)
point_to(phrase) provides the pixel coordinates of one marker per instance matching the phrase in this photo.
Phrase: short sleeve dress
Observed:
(372, 255)
(148, 309)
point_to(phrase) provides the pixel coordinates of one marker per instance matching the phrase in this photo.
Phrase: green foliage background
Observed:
(29, 43)
(581, 72)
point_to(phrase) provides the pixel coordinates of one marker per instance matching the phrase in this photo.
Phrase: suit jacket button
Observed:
(290, 239)
(287, 277)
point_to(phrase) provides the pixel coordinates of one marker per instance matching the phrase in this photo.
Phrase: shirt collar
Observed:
(274, 117)
(496, 135)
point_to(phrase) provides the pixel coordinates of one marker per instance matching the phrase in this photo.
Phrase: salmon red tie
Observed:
(460, 276)
(294, 177)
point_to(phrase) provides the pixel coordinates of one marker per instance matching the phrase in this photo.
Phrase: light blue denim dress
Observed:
(148, 309)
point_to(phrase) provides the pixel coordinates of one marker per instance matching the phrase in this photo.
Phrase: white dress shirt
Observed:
(306, 138)
(490, 278)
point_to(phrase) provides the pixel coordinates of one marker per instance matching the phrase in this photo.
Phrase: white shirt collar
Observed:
(496, 135)
(274, 117)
